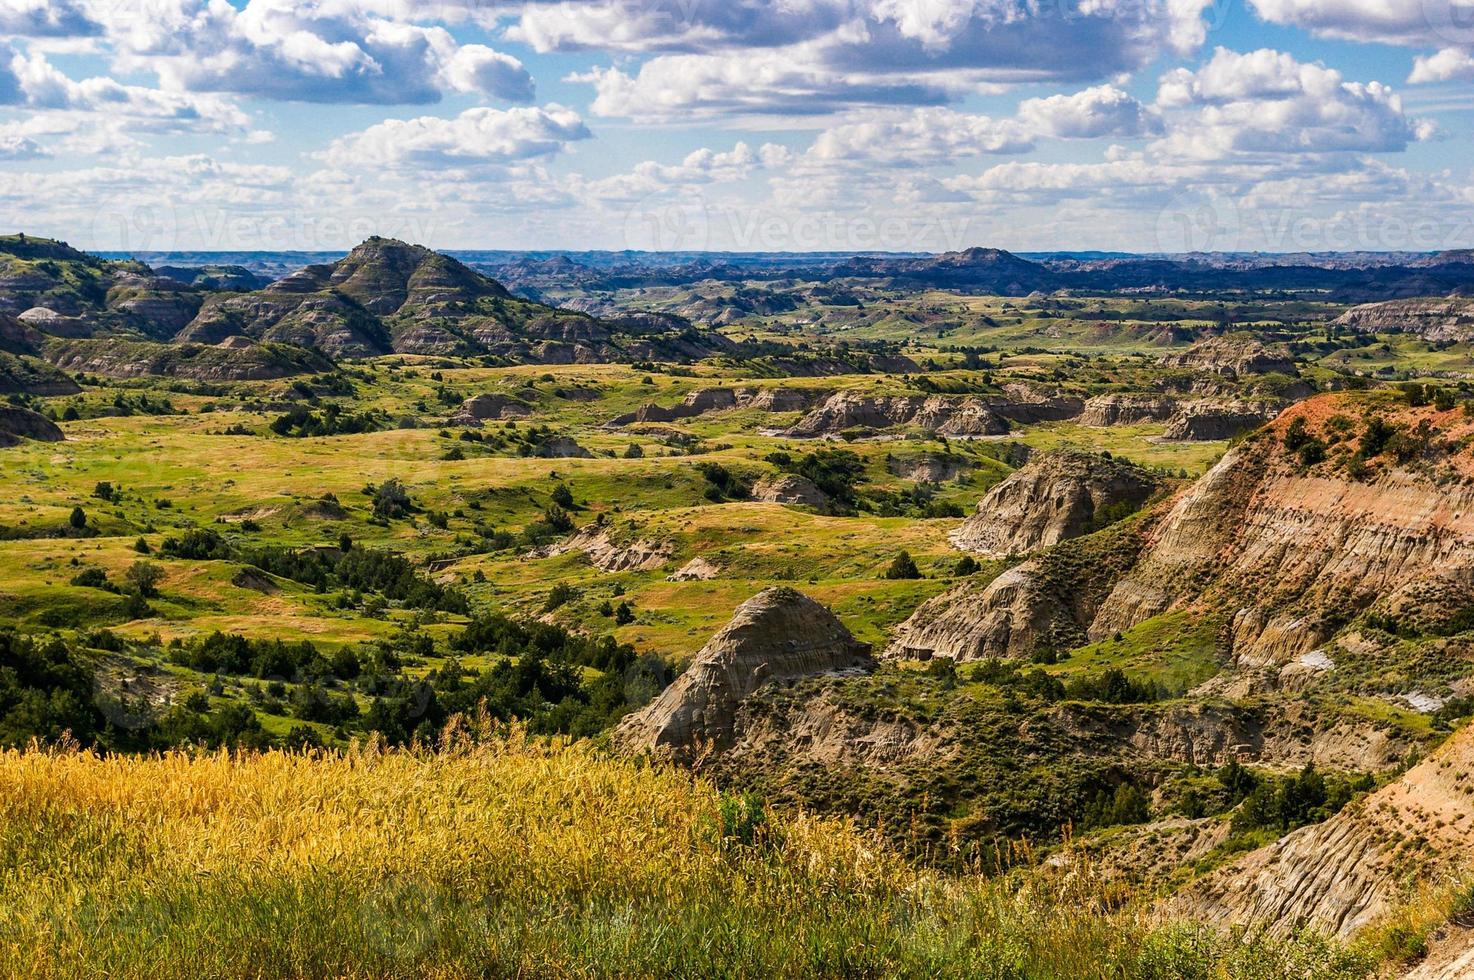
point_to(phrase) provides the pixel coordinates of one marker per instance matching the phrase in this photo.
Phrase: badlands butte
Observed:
(1140, 584)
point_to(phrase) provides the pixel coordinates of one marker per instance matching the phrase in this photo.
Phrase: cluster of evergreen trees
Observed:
(541, 674)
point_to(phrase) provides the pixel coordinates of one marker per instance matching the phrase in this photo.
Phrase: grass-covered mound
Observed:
(509, 856)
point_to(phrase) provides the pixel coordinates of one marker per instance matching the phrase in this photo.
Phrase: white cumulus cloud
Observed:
(479, 137)
(1266, 102)
(304, 51)
(1102, 111)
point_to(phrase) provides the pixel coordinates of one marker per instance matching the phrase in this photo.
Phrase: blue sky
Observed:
(1143, 125)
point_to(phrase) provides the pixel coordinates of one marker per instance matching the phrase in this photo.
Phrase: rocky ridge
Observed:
(929, 467)
(1108, 410)
(1231, 356)
(1210, 421)
(20, 375)
(1047, 602)
(1287, 553)
(1439, 320)
(945, 415)
(233, 359)
(480, 408)
(1303, 544)
(704, 400)
(389, 296)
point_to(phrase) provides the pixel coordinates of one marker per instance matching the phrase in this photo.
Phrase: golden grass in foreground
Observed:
(512, 857)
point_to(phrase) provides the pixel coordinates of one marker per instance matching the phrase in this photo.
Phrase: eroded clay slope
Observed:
(1293, 550)
(778, 635)
(1232, 357)
(1056, 495)
(1436, 319)
(1340, 875)
(1043, 603)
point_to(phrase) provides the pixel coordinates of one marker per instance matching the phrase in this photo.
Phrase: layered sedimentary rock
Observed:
(1104, 410)
(1287, 553)
(1213, 732)
(21, 375)
(1027, 404)
(1340, 875)
(562, 447)
(1231, 357)
(696, 403)
(1437, 319)
(165, 304)
(610, 554)
(958, 416)
(778, 635)
(1292, 552)
(19, 337)
(1207, 421)
(1054, 496)
(292, 312)
(232, 359)
(705, 400)
(846, 410)
(389, 296)
(1011, 617)
(929, 467)
(711, 399)
(698, 569)
(783, 399)
(1045, 603)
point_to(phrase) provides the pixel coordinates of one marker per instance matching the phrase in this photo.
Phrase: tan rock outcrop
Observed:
(705, 400)
(1044, 603)
(1436, 319)
(608, 555)
(783, 399)
(562, 447)
(1028, 404)
(479, 408)
(790, 488)
(929, 467)
(944, 415)
(1207, 421)
(1340, 875)
(1231, 357)
(1290, 553)
(698, 569)
(817, 731)
(1104, 410)
(778, 635)
(1008, 618)
(1212, 732)
(1056, 495)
